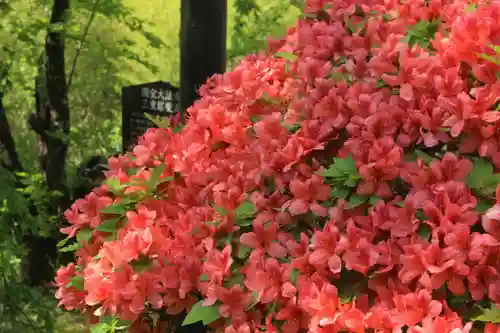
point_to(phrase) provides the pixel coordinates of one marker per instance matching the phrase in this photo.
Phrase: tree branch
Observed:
(82, 41)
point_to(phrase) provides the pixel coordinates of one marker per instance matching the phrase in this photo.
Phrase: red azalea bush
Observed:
(343, 182)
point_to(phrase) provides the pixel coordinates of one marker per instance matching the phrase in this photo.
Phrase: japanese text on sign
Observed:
(157, 100)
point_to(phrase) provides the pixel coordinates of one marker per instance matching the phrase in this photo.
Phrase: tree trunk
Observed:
(55, 76)
(51, 122)
(7, 142)
(203, 45)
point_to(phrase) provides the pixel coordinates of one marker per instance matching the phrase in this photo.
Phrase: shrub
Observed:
(345, 181)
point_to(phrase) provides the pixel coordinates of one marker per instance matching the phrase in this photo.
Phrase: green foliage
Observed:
(343, 172)
(206, 314)
(482, 178)
(246, 210)
(491, 315)
(422, 33)
(110, 325)
(253, 21)
(490, 58)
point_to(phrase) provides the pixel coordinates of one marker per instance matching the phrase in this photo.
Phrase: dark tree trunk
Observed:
(55, 76)
(51, 122)
(203, 45)
(7, 142)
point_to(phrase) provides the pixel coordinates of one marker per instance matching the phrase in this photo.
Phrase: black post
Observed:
(203, 45)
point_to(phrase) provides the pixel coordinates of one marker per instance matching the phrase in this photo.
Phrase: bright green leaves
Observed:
(482, 179)
(243, 251)
(110, 325)
(483, 182)
(115, 209)
(76, 282)
(156, 178)
(150, 185)
(245, 213)
(422, 33)
(115, 186)
(490, 58)
(355, 28)
(221, 211)
(84, 235)
(340, 193)
(110, 225)
(205, 314)
(299, 4)
(294, 276)
(344, 177)
(356, 200)
(71, 248)
(343, 172)
(286, 55)
(491, 315)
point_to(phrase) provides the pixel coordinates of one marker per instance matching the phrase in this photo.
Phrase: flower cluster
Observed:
(344, 181)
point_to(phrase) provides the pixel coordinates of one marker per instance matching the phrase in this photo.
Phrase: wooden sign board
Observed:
(156, 99)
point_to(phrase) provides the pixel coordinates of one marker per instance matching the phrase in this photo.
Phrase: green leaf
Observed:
(114, 185)
(115, 209)
(424, 231)
(71, 248)
(142, 264)
(489, 58)
(155, 177)
(355, 201)
(491, 315)
(419, 214)
(373, 200)
(222, 211)
(236, 280)
(100, 328)
(424, 156)
(482, 206)
(243, 251)
(337, 76)
(246, 210)
(291, 128)
(76, 282)
(204, 278)
(255, 300)
(110, 225)
(205, 314)
(294, 275)
(352, 180)
(62, 242)
(481, 176)
(84, 235)
(340, 192)
(346, 164)
(332, 172)
(286, 55)
(244, 223)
